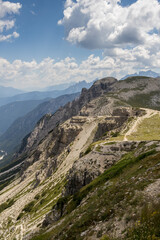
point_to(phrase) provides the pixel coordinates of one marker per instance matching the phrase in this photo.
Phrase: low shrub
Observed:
(29, 207)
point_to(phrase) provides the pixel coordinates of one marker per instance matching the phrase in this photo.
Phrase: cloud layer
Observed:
(33, 75)
(7, 21)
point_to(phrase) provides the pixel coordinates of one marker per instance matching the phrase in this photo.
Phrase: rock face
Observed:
(115, 122)
(89, 167)
(49, 150)
(66, 112)
(101, 86)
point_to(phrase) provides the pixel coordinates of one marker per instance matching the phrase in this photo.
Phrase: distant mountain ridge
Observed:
(148, 73)
(23, 125)
(36, 95)
(13, 113)
(10, 112)
(9, 91)
(61, 86)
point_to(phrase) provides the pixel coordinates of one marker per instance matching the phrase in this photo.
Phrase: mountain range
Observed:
(9, 91)
(37, 95)
(22, 104)
(10, 112)
(62, 86)
(148, 73)
(90, 170)
(24, 125)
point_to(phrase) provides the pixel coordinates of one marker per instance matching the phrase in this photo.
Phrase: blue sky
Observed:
(92, 39)
(40, 35)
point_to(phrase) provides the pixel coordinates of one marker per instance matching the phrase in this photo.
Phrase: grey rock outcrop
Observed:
(71, 109)
(95, 163)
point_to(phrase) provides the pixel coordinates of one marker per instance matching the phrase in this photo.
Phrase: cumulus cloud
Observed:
(105, 23)
(33, 75)
(128, 36)
(9, 37)
(7, 23)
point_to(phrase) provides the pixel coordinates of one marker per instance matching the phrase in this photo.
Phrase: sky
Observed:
(49, 42)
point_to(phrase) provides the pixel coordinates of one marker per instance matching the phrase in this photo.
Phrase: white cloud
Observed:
(8, 37)
(34, 75)
(7, 23)
(128, 36)
(105, 23)
(8, 8)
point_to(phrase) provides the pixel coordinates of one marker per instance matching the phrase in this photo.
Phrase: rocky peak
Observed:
(101, 86)
(105, 82)
(69, 110)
